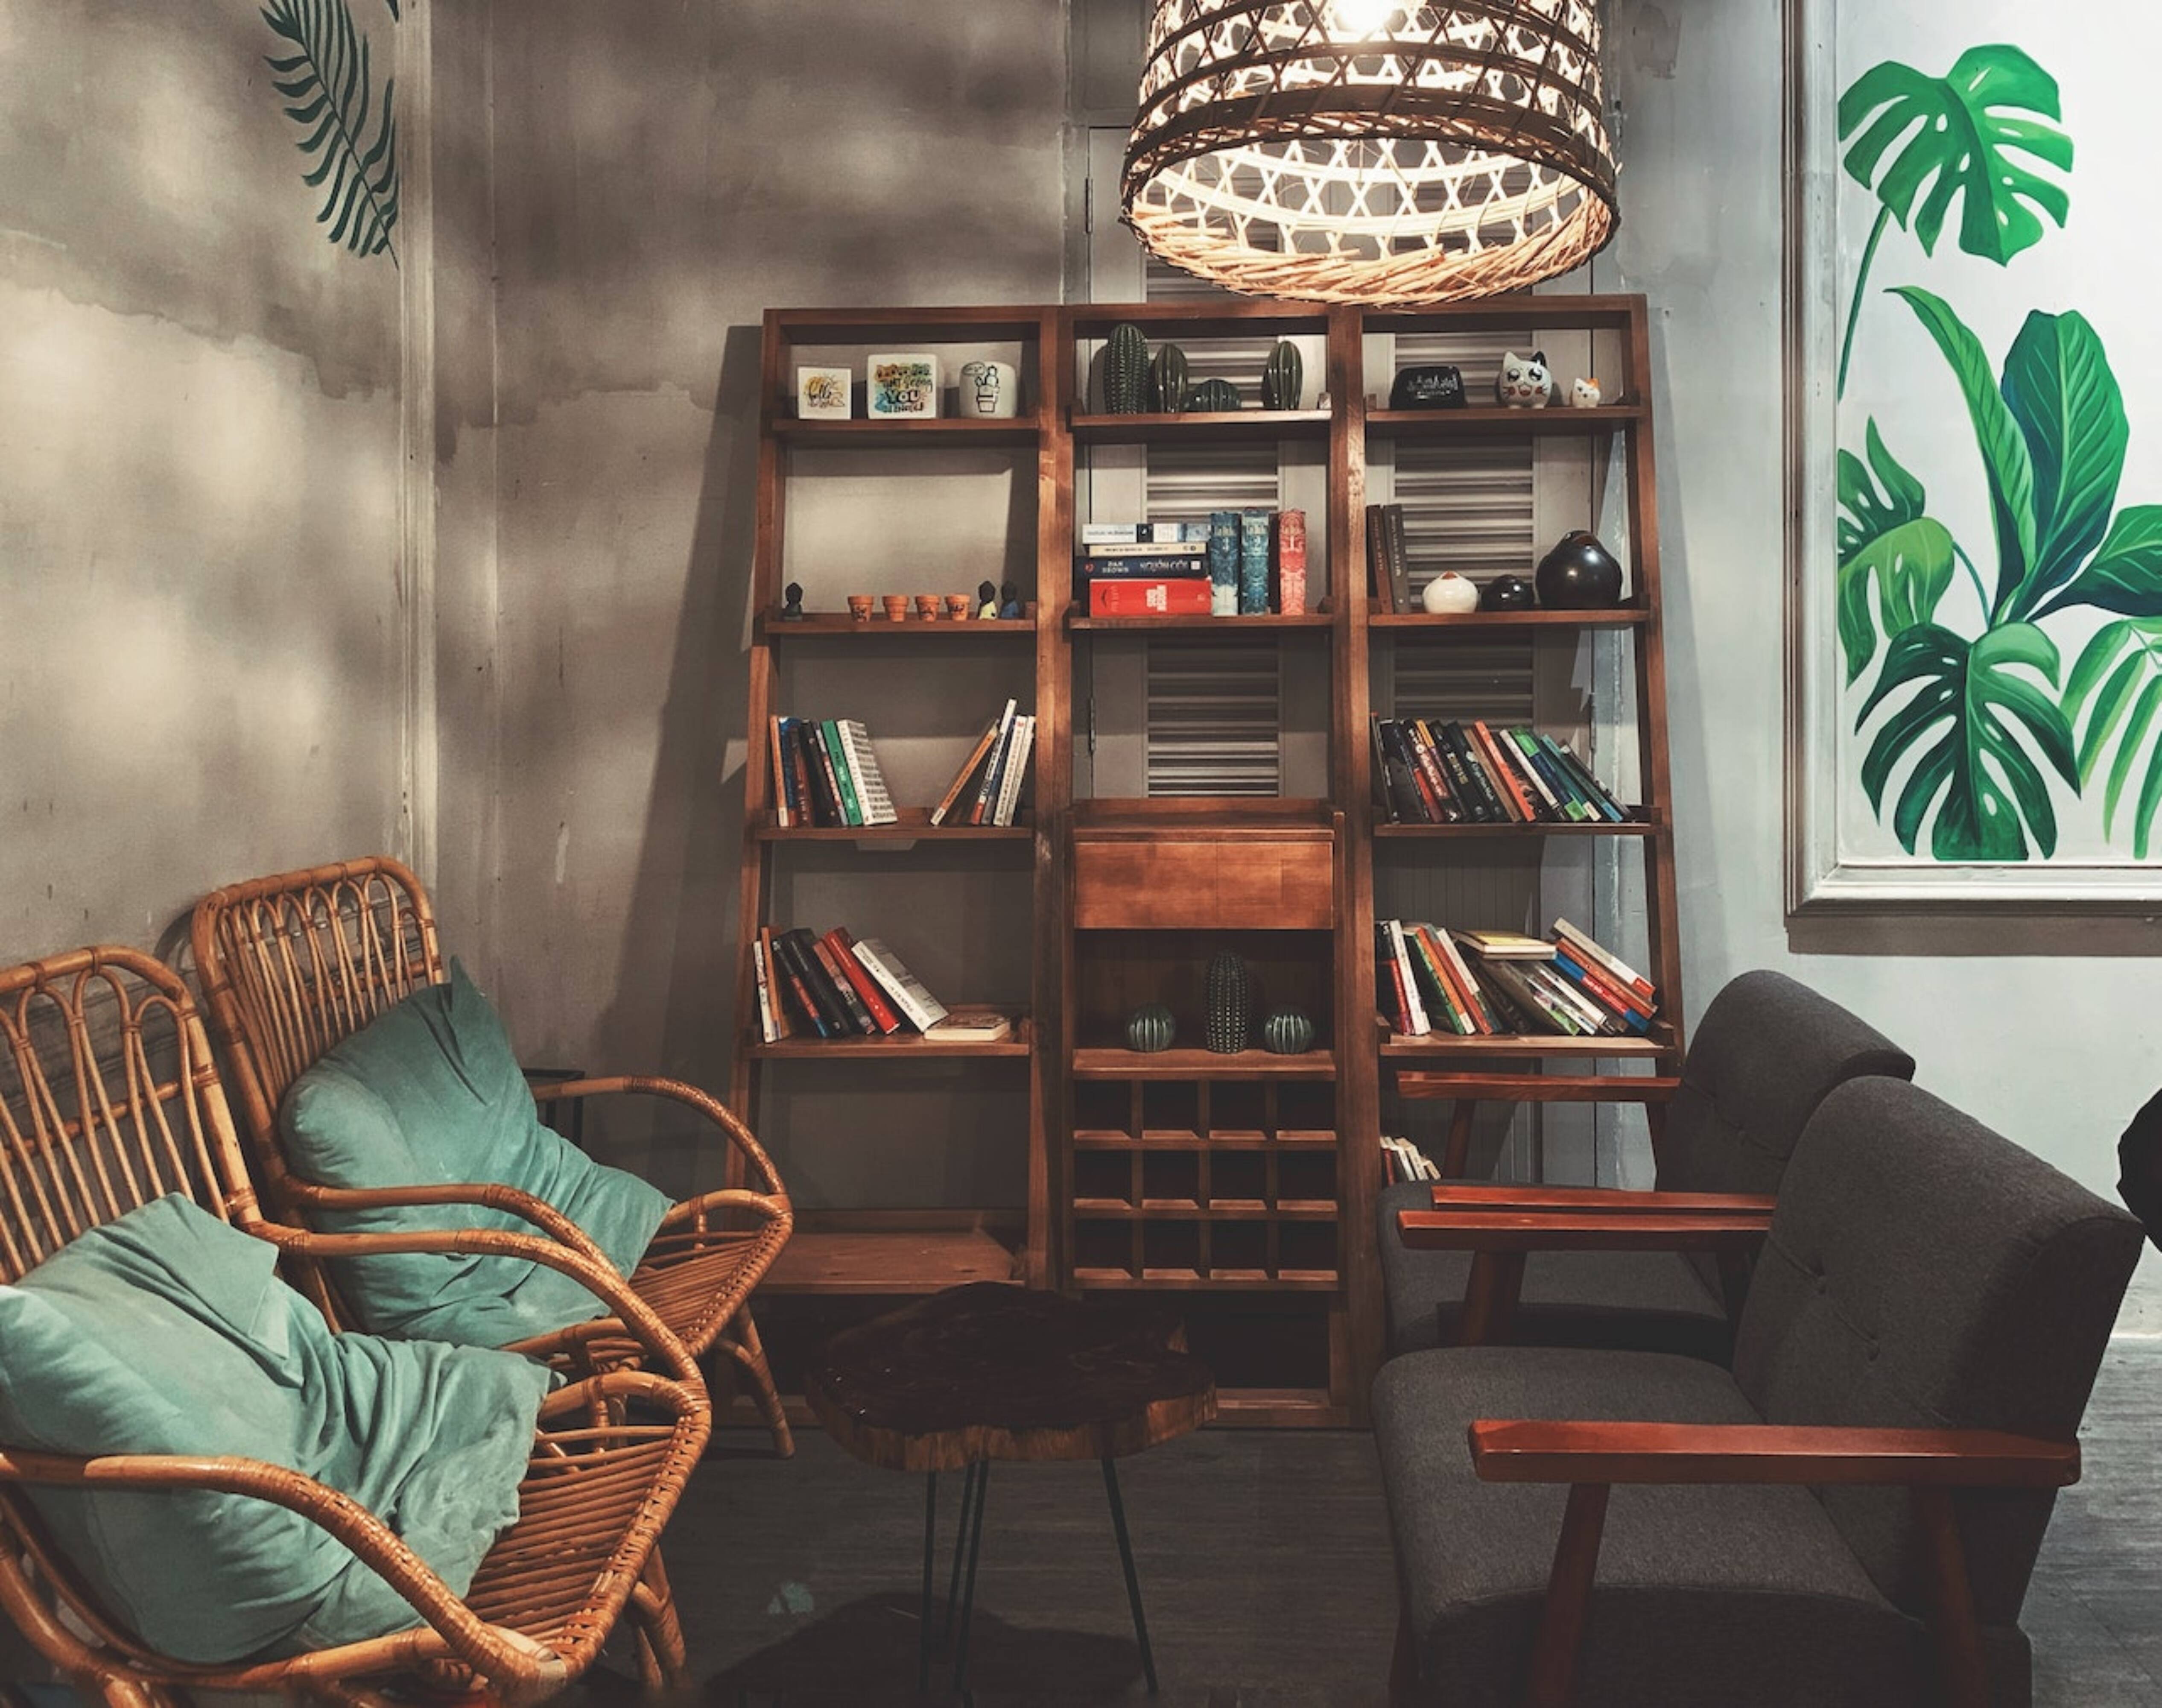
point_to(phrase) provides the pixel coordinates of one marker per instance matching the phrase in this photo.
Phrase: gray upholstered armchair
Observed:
(1850, 1516)
(1767, 1051)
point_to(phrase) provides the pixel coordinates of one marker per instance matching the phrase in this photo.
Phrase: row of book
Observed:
(836, 986)
(1237, 563)
(825, 773)
(1388, 563)
(1483, 983)
(1433, 773)
(987, 788)
(1401, 1160)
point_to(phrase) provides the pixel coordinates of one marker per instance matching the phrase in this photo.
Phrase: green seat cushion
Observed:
(428, 1094)
(169, 1331)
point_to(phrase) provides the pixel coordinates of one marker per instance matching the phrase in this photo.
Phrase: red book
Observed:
(1504, 779)
(1604, 989)
(1185, 597)
(865, 986)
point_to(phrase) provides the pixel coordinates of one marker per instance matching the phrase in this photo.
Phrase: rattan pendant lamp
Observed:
(1361, 151)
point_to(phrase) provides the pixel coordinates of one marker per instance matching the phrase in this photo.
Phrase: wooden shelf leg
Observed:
(1456, 1153)
(1560, 1637)
(1490, 1298)
(1958, 1635)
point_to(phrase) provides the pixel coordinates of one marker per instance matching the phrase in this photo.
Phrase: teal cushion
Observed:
(429, 1093)
(169, 1331)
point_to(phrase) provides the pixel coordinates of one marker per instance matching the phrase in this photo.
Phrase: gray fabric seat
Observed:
(1650, 1301)
(1767, 1051)
(1920, 1272)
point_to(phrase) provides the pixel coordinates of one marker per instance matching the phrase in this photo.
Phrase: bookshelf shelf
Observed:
(1226, 428)
(1555, 421)
(1252, 1176)
(903, 435)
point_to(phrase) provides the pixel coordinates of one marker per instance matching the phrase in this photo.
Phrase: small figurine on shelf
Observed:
(987, 602)
(792, 611)
(1010, 609)
(1585, 394)
(1524, 384)
(1508, 592)
(1450, 594)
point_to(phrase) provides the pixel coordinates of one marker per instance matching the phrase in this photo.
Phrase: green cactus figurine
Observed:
(1167, 379)
(1125, 370)
(1212, 397)
(1287, 1032)
(1231, 1013)
(1151, 1028)
(1283, 378)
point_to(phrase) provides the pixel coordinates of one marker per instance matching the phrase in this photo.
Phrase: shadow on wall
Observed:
(679, 924)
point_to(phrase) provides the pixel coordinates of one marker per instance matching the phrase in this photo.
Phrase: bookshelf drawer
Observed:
(1197, 881)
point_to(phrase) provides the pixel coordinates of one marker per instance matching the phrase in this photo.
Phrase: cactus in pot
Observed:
(1125, 370)
(1167, 379)
(1213, 396)
(1283, 378)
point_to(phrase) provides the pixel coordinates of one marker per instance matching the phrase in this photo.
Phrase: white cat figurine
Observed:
(1524, 383)
(1585, 394)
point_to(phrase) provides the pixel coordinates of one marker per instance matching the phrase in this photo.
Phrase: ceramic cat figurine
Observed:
(1524, 383)
(1585, 394)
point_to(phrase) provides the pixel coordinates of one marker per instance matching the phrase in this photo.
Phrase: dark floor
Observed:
(1265, 1562)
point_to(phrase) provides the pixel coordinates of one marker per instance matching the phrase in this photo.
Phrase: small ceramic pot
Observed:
(896, 608)
(926, 607)
(1508, 592)
(989, 391)
(860, 607)
(956, 606)
(1580, 574)
(1450, 594)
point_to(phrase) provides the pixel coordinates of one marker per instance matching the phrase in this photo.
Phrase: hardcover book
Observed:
(922, 1010)
(1156, 597)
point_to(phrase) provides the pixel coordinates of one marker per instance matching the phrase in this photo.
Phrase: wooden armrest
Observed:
(483, 1194)
(1598, 1200)
(1537, 1088)
(485, 1647)
(691, 1096)
(1577, 1230)
(1537, 1450)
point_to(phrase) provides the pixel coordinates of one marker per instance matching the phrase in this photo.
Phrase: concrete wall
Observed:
(200, 617)
(662, 174)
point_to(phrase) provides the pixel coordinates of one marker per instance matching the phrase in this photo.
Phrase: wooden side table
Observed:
(991, 1372)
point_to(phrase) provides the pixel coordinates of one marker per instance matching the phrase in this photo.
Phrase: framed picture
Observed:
(905, 385)
(822, 393)
(1974, 576)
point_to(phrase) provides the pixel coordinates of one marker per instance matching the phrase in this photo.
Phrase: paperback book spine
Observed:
(803, 948)
(789, 957)
(844, 961)
(1466, 768)
(837, 760)
(1155, 566)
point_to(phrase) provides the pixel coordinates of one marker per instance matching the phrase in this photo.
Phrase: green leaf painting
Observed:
(1971, 744)
(348, 133)
(1972, 136)
(1885, 540)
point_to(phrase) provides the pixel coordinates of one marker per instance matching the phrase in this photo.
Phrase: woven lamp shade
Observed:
(1356, 151)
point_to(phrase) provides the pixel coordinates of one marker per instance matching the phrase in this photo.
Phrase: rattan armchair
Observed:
(293, 964)
(109, 1100)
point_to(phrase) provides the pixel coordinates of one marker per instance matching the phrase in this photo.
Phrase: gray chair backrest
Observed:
(1922, 1272)
(1767, 1051)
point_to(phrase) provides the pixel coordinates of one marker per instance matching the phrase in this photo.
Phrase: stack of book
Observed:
(826, 773)
(1429, 773)
(987, 788)
(1483, 983)
(835, 986)
(1388, 568)
(1146, 569)
(1401, 1160)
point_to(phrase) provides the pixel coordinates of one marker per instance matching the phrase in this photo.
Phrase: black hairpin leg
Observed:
(1133, 1579)
(969, 1497)
(968, 1584)
(930, 1553)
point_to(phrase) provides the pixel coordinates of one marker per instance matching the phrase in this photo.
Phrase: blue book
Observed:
(1224, 563)
(1255, 526)
(1574, 974)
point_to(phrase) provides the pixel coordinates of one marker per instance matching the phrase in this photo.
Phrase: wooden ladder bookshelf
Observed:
(1243, 1186)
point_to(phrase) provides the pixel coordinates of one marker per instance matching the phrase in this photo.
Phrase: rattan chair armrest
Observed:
(490, 1650)
(1572, 1451)
(604, 1282)
(483, 1194)
(628, 1084)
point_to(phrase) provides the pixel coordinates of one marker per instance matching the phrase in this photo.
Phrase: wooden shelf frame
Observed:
(925, 1249)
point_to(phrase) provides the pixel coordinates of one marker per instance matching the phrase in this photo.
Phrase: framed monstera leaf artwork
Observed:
(1975, 459)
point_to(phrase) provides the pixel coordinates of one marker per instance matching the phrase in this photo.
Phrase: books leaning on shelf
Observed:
(1482, 984)
(826, 773)
(837, 986)
(1426, 771)
(987, 788)
(1402, 1160)
(1388, 566)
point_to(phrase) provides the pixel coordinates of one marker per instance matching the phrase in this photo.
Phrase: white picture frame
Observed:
(902, 385)
(822, 393)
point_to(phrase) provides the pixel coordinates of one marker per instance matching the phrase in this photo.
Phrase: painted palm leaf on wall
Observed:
(1971, 719)
(1960, 138)
(347, 133)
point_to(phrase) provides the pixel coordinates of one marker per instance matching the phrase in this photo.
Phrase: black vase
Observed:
(1580, 575)
(1507, 592)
